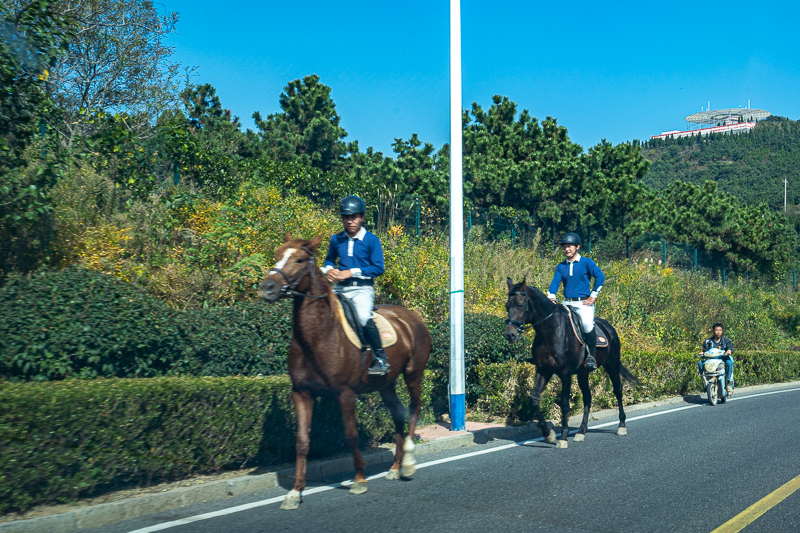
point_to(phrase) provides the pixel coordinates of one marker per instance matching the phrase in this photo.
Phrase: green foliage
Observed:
(61, 441)
(307, 130)
(751, 166)
(502, 390)
(77, 323)
(748, 236)
(117, 60)
(615, 199)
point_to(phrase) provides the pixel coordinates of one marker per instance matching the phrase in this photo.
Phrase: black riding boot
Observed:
(380, 365)
(591, 343)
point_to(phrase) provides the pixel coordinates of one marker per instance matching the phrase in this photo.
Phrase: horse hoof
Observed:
(359, 487)
(393, 474)
(622, 431)
(408, 470)
(292, 500)
(579, 437)
(550, 438)
(561, 444)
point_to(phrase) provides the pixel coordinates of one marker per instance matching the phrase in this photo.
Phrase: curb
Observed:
(107, 513)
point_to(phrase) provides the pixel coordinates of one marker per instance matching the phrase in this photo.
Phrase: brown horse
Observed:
(323, 362)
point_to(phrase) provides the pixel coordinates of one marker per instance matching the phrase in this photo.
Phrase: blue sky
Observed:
(606, 70)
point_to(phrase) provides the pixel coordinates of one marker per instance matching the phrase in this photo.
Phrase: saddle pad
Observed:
(574, 318)
(385, 328)
(602, 340)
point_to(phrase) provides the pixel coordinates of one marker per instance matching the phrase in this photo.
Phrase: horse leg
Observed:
(566, 383)
(616, 382)
(304, 408)
(389, 396)
(586, 393)
(414, 385)
(347, 404)
(539, 384)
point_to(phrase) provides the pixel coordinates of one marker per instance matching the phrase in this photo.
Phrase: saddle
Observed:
(352, 327)
(577, 328)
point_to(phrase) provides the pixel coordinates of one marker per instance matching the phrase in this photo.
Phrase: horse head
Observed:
(517, 306)
(525, 305)
(294, 262)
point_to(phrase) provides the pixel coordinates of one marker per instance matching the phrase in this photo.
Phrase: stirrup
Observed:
(590, 363)
(378, 367)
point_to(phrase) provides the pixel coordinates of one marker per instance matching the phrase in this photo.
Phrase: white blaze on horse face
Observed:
(282, 263)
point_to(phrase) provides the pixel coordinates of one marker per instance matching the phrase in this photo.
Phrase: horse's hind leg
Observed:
(389, 396)
(566, 383)
(616, 383)
(347, 404)
(586, 393)
(539, 384)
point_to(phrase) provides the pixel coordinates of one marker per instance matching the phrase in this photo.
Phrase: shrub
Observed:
(502, 390)
(83, 324)
(64, 440)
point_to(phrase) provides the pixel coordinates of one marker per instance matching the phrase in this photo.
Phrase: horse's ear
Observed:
(525, 277)
(315, 242)
(510, 284)
(287, 237)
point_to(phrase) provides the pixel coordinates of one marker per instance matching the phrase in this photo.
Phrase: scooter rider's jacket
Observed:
(724, 344)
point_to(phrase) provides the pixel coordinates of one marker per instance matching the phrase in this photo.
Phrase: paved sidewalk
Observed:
(437, 437)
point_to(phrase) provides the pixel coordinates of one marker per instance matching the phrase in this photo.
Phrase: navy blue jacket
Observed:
(576, 282)
(362, 255)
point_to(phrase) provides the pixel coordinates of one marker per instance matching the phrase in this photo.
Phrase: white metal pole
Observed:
(457, 369)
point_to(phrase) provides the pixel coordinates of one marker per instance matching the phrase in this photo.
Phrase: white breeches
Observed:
(586, 312)
(362, 298)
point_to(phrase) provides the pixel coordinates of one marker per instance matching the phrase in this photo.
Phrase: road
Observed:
(685, 468)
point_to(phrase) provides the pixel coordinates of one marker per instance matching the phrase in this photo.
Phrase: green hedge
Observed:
(502, 390)
(64, 440)
(84, 324)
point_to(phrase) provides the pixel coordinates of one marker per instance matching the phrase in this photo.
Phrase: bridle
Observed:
(522, 326)
(289, 289)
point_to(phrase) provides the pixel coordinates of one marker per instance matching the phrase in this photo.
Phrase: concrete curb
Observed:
(107, 513)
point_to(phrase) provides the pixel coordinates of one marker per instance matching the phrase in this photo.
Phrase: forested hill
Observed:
(751, 166)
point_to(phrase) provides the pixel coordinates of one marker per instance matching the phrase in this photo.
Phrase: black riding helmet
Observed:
(570, 238)
(352, 205)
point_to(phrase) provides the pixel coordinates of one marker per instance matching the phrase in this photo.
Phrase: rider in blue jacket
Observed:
(574, 273)
(360, 261)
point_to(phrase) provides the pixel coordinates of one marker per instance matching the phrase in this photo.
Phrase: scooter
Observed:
(713, 375)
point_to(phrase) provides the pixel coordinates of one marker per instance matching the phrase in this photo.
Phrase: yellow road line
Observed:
(749, 515)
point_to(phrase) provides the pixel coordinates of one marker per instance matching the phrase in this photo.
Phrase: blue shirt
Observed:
(362, 255)
(575, 276)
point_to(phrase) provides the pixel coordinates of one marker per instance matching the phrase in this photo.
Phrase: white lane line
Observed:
(315, 490)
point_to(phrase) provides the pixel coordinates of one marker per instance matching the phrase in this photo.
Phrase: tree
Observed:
(116, 62)
(31, 37)
(614, 197)
(307, 130)
(516, 162)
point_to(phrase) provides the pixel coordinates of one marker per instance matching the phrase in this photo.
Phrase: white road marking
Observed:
(324, 488)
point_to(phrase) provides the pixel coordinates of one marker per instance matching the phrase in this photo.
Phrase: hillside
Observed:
(750, 166)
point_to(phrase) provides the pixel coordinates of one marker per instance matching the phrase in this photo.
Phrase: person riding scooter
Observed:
(724, 344)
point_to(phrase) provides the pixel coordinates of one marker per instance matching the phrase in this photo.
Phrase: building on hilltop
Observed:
(736, 120)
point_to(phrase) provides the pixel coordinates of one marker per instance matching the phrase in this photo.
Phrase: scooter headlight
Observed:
(713, 365)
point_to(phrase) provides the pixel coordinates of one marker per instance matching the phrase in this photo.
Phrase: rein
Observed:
(291, 284)
(521, 326)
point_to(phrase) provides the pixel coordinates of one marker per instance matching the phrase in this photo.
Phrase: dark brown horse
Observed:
(557, 351)
(323, 362)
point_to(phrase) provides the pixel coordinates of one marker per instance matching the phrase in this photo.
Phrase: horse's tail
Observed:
(627, 375)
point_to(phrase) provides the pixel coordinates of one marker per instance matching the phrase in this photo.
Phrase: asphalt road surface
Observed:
(685, 468)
